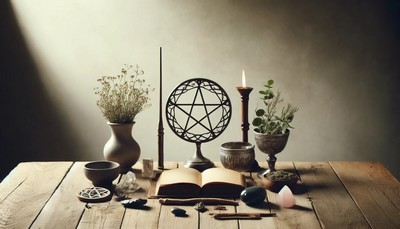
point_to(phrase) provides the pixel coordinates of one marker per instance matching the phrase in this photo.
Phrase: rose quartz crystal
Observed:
(285, 197)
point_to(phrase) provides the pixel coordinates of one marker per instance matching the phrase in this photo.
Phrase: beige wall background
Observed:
(336, 60)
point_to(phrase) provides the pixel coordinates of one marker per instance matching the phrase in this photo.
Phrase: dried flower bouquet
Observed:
(123, 96)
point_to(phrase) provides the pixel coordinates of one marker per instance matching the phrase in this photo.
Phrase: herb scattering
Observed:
(280, 175)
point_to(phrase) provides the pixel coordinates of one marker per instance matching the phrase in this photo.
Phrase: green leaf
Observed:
(257, 121)
(260, 112)
(263, 92)
(284, 127)
(290, 118)
(270, 82)
(278, 130)
(269, 96)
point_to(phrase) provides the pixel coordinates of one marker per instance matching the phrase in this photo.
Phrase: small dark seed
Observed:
(200, 207)
(134, 203)
(178, 212)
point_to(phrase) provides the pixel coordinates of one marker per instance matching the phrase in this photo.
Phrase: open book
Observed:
(188, 182)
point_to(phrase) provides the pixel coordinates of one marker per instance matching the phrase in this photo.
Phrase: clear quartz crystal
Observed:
(147, 168)
(127, 184)
(286, 198)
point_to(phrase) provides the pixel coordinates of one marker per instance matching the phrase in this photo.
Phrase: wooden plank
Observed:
(332, 203)
(168, 221)
(38, 181)
(15, 178)
(147, 217)
(266, 222)
(38, 192)
(64, 210)
(207, 221)
(143, 218)
(103, 215)
(374, 189)
(302, 214)
(111, 214)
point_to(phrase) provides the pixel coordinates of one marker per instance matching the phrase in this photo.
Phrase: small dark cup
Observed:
(102, 173)
(237, 156)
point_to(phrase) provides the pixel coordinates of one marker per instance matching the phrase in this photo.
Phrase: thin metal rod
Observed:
(160, 123)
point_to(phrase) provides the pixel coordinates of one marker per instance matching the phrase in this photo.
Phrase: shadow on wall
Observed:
(32, 129)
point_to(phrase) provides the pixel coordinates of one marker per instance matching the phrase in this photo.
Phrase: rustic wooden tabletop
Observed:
(329, 195)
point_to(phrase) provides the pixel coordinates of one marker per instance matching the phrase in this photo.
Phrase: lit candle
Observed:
(243, 79)
(244, 93)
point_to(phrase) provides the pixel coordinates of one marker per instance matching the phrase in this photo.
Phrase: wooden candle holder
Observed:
(244, 93)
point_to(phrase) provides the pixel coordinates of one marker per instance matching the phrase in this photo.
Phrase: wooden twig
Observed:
(243, 215)
(194, 201)
(238, 217)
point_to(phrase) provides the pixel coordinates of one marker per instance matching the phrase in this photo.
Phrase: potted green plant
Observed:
(271, 125)
(121, 98)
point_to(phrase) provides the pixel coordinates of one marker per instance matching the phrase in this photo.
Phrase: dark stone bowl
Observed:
(102, 173)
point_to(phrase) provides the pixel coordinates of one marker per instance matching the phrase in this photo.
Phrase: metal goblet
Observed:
(271, 145)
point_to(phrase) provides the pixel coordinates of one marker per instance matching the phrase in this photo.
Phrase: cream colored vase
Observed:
(121, 147)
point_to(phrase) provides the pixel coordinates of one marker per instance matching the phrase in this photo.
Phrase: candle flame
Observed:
(243, 79)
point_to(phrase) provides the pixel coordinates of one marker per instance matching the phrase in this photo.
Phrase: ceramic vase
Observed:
(121, 147)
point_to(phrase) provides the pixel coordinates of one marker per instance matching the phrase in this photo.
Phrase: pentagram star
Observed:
(199, 114)
(204, 106)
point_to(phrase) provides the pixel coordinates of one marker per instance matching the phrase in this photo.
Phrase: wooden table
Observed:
(329, 195)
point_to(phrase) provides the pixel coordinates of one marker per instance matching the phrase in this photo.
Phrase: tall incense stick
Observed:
(160, 124)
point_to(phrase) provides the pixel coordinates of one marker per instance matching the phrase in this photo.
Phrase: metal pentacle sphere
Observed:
(198, 110)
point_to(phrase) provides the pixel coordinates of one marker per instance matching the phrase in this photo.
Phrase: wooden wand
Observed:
(194, 201)
(244, 215)
(160, 124)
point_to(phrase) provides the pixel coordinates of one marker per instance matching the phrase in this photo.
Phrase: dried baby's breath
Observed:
(123, 96)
